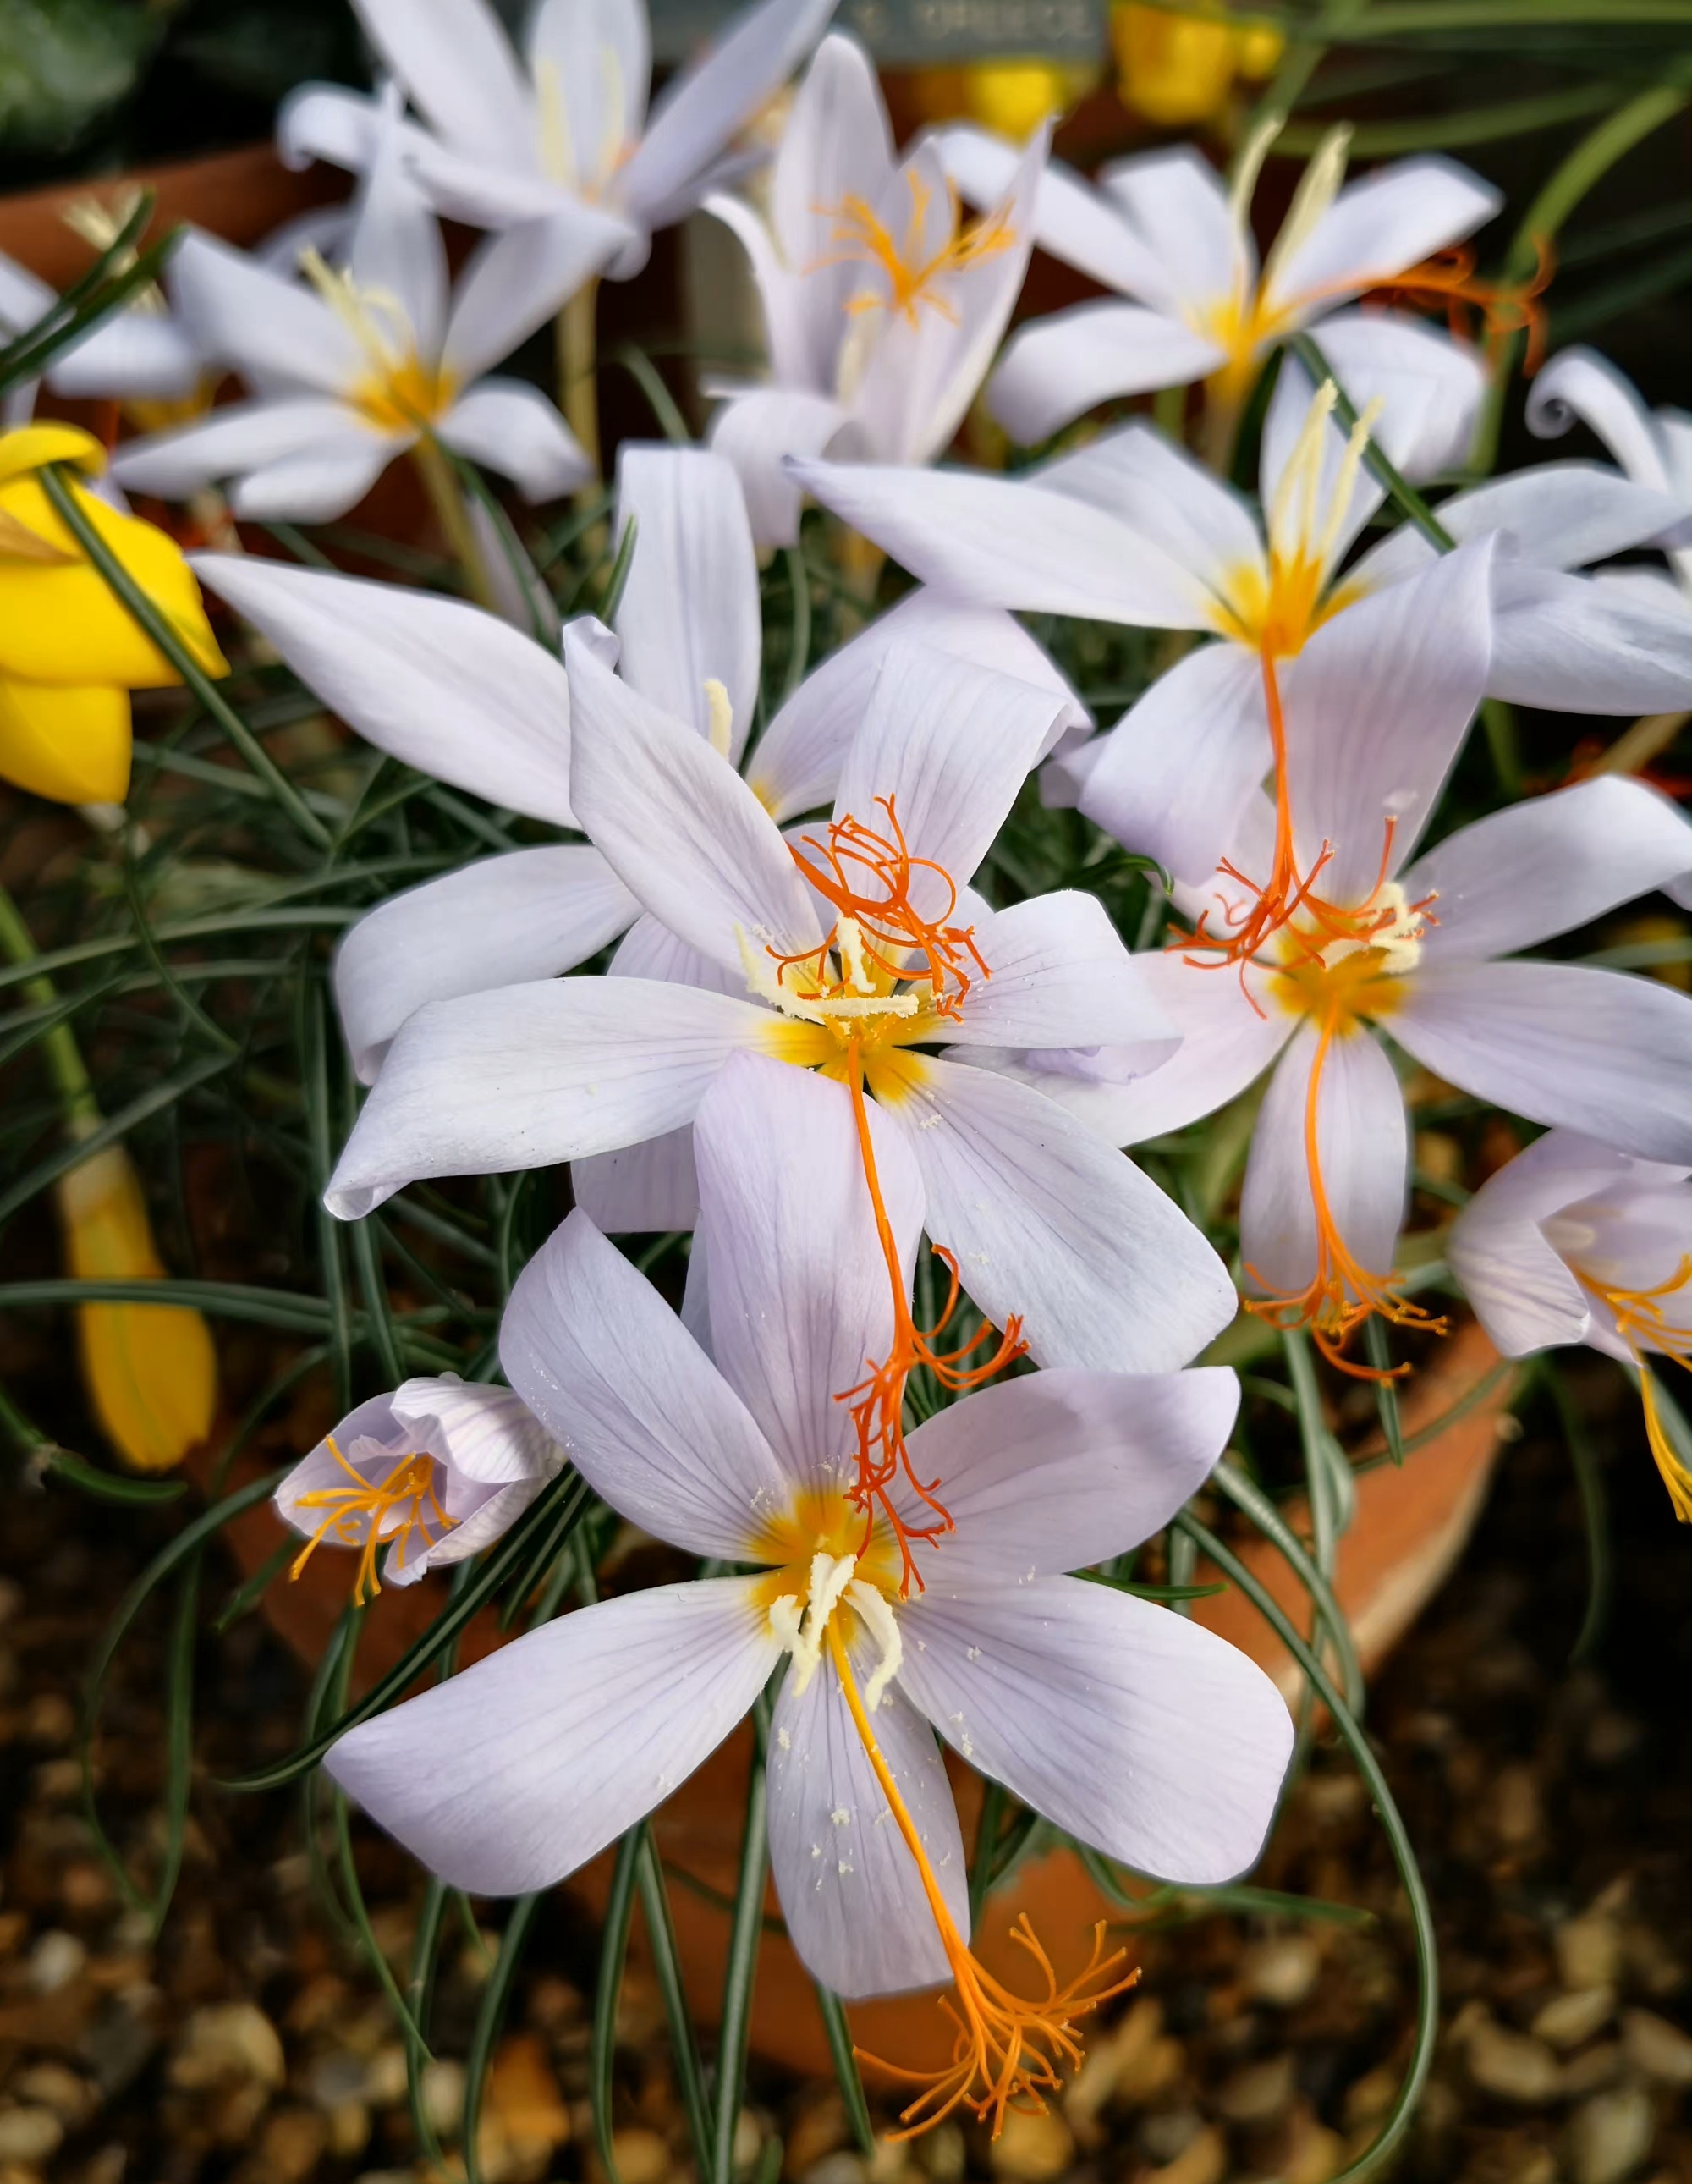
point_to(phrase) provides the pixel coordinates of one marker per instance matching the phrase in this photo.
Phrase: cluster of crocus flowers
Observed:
(741, 1452)
(70, 651)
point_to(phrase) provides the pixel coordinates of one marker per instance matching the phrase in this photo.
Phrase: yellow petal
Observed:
(32, 445)
(68, 742)
(1172, 68)
(150, 1370)
(59, 622)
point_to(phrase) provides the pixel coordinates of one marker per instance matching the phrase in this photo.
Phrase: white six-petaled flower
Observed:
(882, 305)
(433, 1473)
(1130, 1727)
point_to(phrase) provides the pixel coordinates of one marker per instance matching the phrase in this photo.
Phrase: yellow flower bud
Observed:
(1011, 98)
(150, 1370)
(1176, 69)
(69, 650)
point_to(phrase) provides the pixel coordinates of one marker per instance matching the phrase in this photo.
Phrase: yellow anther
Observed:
(720, 713)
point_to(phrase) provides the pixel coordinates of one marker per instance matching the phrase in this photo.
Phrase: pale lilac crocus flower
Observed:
(1377, 710)
(1572, 1241)
(739, 951)
(1131, 1728)
(433, 1473)
(882, 305)
(455, 692)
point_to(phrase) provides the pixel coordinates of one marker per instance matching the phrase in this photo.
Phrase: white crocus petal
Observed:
(1186, 1740)
(240, 436)
(439, 684)
(1524, 1294)
(798, 1289)
(24, 299)
(796, 766)
(1386, 352)
(651, 1188)
(394, 250)
(458, 67)
(1048, 1223)
(757, 430)
(851, 1895)
(321, 482)
(507, 425)
(689, 614)
(480, 1515)
(1060, 977)
(949, 745)
(510, 1775)
(1363, 1145)
(1535, 869)
(1562, 1044)
(488, 1434)
(1174, 776)
(1176, 201)
(993, 541)
(1231, 1031)
(1116, 1454)
(499, 921)
(515, 281)
(649, 950)
(837, 143)
(1560, 516)
(596, 58)
(1066, 363)
(677, 823)
(1583, 644)
(1072, 220)
(705, 105)
(1207, 527)
(1382, 226)
(526, 1076)
(1380, 700)
(243, 315)
(320, 1469)
(1580, 383)
(133, 353)
(646, 1418)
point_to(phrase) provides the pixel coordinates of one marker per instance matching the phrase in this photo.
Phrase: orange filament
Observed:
(1641, 1324)
(877, 1403)
(1342, 1293)
(862, 237)
(892, 929)
(1504, 307)
(411, 1480)
(1009, 2052)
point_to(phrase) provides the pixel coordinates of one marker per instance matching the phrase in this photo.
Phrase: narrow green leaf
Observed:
(248, 1595)
(112, 1131)
(612, 597)
(666, 1963)
(495, 1996)
(745, 1933)
(840, 2048)
(106, 1485)
(411, 2032)
(420, 1988)
(1386, 1391)
(1594, 1511)
(614, 1947)
(179, 1736)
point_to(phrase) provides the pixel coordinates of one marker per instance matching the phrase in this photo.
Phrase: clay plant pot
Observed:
(1409, 1527)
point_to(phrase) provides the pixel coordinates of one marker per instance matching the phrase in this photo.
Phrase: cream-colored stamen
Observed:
(1396, 934)
(882, 1626)
(830, 1576)
(1318, 186)
(719, 733)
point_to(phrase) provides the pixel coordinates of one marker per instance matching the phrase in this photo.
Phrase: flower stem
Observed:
(436, 472)
(578, 387)
(63, 1060)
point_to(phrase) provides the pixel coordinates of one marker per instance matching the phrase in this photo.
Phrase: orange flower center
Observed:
(912, 271)
(358, 1515)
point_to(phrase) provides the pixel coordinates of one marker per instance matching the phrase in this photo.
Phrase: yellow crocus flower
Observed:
(150, 1370)
(69, 651)
(1175, 70)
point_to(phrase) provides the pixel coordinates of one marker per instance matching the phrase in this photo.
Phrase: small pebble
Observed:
(443, 2095)
(1656, 2049)
(55, 1960)
(642, 2157)
(228, 2041)
(29, 2134)
(841, 2167)
(1589, 1951)
(1205, 2161)
(1033, 2148)
(1513, 2066)
(72, 2099)
(1282, 1971)
(1609, 2136)
(1259, 2093)
(942, 2154)
(1592, 2069)
(1569, 2020)
(1170, 2131)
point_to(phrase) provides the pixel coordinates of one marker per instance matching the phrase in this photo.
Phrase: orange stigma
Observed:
(861, 236)
(1009, 2052)
(1448, 281)
(904, 969)
(411, 1480)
